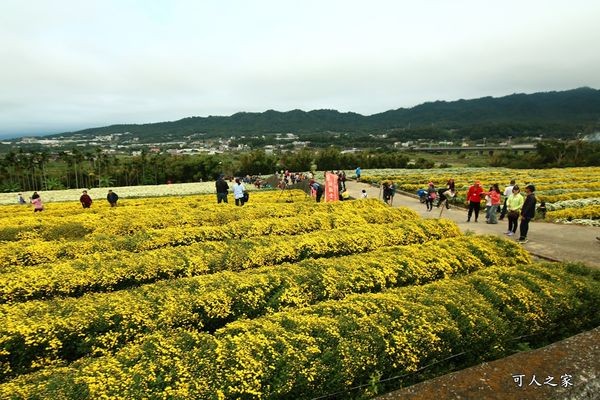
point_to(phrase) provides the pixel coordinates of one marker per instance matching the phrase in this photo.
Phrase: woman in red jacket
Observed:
(474, 200)
(494, 194)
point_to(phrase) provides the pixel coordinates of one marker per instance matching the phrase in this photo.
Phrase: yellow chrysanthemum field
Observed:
(572, 195)
(182, 298)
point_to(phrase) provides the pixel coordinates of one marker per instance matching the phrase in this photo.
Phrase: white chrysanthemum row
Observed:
(561, 205)
(175, 189)
(586, 222)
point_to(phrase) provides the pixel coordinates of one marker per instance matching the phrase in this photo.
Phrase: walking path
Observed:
(546, 240)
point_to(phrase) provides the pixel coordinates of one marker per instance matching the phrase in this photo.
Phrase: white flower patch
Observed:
(175, 189)
(561, 205)
(586, 222)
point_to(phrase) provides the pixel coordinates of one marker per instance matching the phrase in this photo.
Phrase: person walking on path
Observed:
(36, 200)
(222, 188)
(444, 195)
(112, 198)
(85, 200)
(238, 192)
(507, 192)
(357, 171)
(393, 188)
(527, 212)
(514, 203)
(431, 195)
(488, 204)
(474, 200)
(387, 193)
(342, 180)
(494, 195)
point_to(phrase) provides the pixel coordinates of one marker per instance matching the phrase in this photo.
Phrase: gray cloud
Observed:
(71, 65)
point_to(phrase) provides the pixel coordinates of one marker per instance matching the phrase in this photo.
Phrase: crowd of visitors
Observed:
(520, 209)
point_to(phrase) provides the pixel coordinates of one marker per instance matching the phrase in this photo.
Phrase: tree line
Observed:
(41, 170)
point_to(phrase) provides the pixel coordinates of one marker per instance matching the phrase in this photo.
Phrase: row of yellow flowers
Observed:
(319, 217)
(71, 222)
(64, 208)
(333, 346)
(587, 212)
(589, 176)
(39, 334)
(553, 198)
(120, 269)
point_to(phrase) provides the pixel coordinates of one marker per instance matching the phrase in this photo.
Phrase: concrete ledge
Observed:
(575, 360)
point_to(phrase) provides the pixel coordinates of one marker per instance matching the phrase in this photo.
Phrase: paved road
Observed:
(547, 240)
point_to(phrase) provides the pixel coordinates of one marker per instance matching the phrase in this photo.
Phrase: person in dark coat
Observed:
(222, 189)
(85, 200)
(112, 198)
(387, 193)
(527, 212)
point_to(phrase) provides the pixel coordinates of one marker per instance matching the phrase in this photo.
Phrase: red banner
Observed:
(331, 187)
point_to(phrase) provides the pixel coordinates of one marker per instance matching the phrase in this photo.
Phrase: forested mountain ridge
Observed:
(561, 113)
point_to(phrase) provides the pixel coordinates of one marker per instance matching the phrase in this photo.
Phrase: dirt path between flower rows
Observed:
(546, 240)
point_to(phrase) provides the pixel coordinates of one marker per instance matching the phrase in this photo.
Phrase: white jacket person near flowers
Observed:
(238, 192)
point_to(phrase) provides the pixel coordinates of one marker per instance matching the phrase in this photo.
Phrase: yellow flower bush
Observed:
(119, 269)
(587, 212)
(65, 329)
(286, 221)
(334, 345)
(179, 298)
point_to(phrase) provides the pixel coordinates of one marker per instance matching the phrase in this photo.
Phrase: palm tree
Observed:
(11, 161)
(28, 163)
(68, 160)
(41, 158)
(21, 167)
(77, 160)
(54, 184)
(106, 180)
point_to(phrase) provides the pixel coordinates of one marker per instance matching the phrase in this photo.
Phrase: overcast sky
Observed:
(71, 64)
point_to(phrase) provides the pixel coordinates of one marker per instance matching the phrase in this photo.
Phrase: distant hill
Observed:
(563, 112)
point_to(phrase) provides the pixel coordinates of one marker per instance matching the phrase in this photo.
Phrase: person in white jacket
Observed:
(238, 192)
